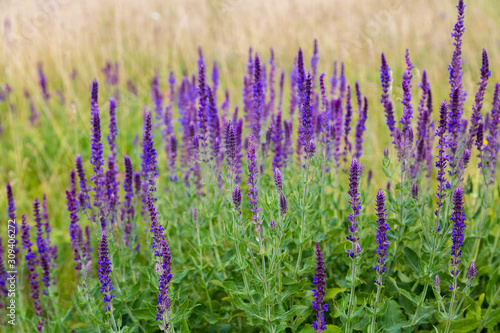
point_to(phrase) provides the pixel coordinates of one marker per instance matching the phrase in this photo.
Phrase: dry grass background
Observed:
(152, 34)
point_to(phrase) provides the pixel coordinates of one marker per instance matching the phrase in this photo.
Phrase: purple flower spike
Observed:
(283, 204)
(437, 283)
(454, 129)
(164, 301)
(385, 79)
(278, 180)
(382, 240)
(75, 231)
(113, 128)
(128, 207)
(252, 183)
(43, 82)
(347, 124)
(31, 263)
(97, 159)
(237, 199)
(279, 154)
(414, 190)
(11, 213)
(157, 96)
(458, 219)
(173, 157)
(230, 150)
(202, 110)
(306, 130)
(442, 161)
(360, 128)
(11, 204)
(407, 107)
(258, 100)
(475, 119)
(3, 273)
(319, 292)
(492, 148)
(471, 272)
(52, 250)
(455, 67)
(104, 270)
(149, 165)
(354, 177)
(41, 244)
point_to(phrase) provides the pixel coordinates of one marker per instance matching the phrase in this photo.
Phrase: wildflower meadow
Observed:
(316, 195)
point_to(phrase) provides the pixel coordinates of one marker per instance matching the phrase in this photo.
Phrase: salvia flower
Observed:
(75, 230)
(347, 124)
(11, 213)
(442, 157)
(278, 159)
(455, 67)
(360, 128)
(104, 271)
(237, 199)
(202, 109)
(278, 180)
(230, 149)
(475, 120)
(3, 273)
(97, 159)
(454, 129)
(173, 157)
(382, 240)
(471, 273)
(83, 196)
(306, 130)
(385, 79)
(156, 228)
(128, 207)
(258, 100)
(42, 244)
(407, 106)
(414, 190)
(458, 219)
(437, 283)
(319, 324)
(113, 128)
(283, 204)
(157, 96)
(149, 165)
(354, 177)
(252, 183)
(31, 263)
(164, 301)
(43, 82)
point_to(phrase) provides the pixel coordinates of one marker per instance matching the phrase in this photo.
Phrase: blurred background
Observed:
(78, 37)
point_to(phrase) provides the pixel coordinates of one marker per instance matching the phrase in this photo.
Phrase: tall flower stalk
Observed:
(354, 178)
(383, 244)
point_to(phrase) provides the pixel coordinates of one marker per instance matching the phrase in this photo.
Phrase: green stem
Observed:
(373, 326)
(303, 218)
(351, 297)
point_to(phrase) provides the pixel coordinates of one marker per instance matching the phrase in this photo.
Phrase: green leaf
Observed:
(412, 259)
(464, 325)
(402, 291)
(393, 319)
(332, 292)
(184, 326)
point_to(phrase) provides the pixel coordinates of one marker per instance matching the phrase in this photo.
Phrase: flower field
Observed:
(195, 167)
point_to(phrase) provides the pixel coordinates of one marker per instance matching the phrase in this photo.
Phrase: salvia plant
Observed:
(267, 216)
